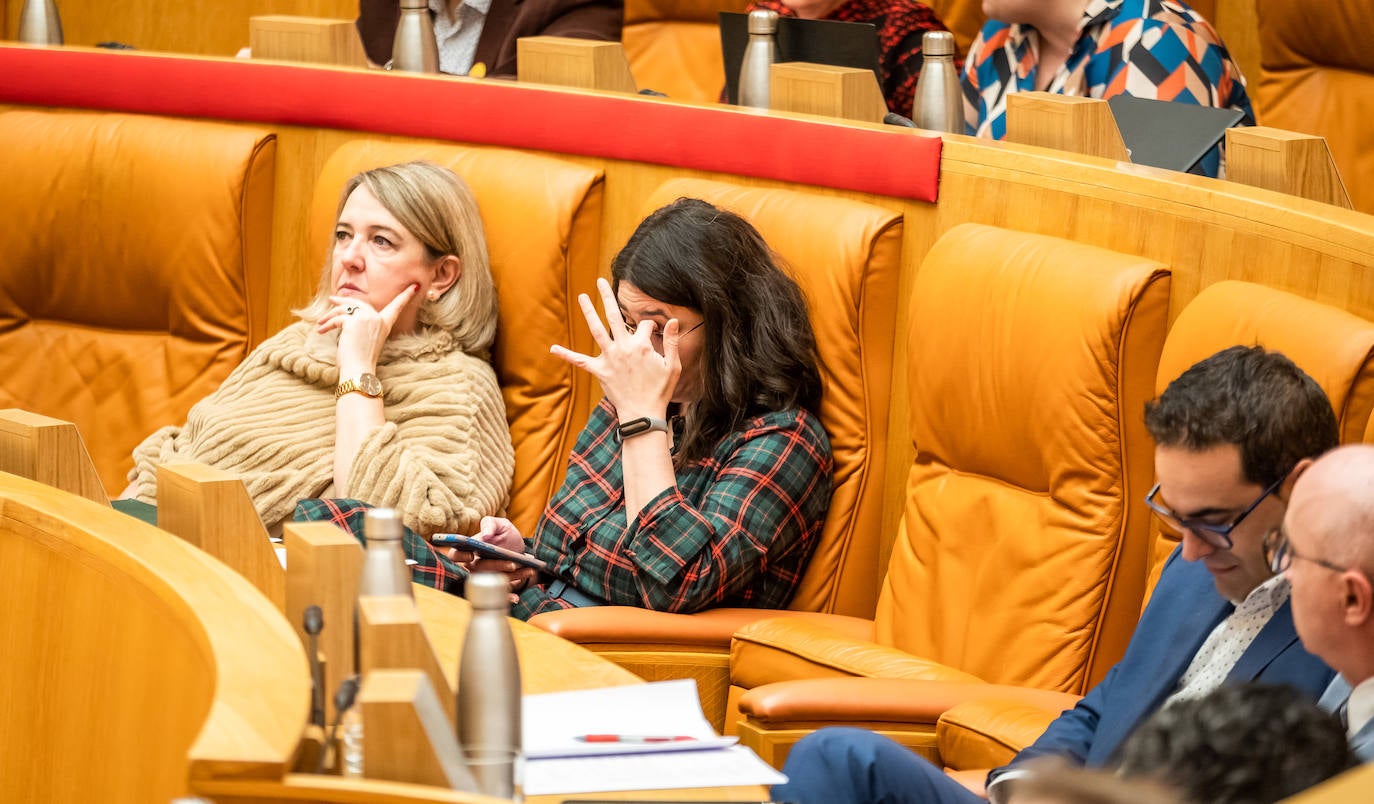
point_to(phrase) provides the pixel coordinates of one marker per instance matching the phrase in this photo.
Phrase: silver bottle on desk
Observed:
(939, 103)
(384, 562)
(415, 50)
(489, 688)
(759, 55)
(384, 573)
(39, 23)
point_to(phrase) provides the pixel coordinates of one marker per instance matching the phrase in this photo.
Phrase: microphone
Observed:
(894, 119)
(653, 92)
(343, 701)
(314, 623)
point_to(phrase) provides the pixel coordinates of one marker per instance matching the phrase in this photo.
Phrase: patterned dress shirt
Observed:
(900, 24)
(736, 530)
(1223, 647)
(1157, 49)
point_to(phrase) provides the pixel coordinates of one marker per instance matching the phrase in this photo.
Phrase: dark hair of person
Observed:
(1238, 744)
(759, 351)
(1258, 400)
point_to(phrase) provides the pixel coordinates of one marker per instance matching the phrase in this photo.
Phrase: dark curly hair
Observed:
(760, 352)
(1258, 400)
(1239, 744)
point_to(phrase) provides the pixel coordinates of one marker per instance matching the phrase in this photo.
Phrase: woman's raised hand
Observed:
(636, 378)
(363, 330)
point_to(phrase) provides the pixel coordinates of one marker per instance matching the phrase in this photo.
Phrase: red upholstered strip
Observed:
(893, 163)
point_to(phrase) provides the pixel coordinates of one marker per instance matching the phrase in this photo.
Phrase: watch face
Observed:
(370, 385)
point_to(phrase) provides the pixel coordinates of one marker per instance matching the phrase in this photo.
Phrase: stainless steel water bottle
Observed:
(489, 688)
(939, 104)
(384, 562)
(415, 50)
(759, 55)
(39, 23)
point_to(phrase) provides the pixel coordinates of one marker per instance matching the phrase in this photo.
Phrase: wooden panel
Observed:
(143, 661)
(579, 63)
(390, 636)
(1079, 125)
(50, 451)
(1285, 161)
(307, 39)
(409, 738)
(210, 508)
(828, 90)
(323, 565)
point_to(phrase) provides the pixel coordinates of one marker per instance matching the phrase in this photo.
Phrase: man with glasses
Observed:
(1325, 548)
(1232, 434)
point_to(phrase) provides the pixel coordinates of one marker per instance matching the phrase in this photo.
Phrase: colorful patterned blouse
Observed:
(1159, 49)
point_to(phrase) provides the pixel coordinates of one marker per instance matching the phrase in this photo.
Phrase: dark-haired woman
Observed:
(703, 477)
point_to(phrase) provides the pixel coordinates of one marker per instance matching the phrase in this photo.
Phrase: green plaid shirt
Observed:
(736, 530)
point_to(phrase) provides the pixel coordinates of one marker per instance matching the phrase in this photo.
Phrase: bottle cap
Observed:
(488, 590)
(382, 525)
(763, 21)
(937, 43)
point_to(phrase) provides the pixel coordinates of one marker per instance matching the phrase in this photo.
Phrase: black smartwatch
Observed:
(640, 426)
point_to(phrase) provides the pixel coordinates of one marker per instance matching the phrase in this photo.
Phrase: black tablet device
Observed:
(1169, 134)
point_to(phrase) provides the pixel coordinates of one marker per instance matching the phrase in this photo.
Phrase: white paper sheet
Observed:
(552, 722)
(723, 767)
(557, 762)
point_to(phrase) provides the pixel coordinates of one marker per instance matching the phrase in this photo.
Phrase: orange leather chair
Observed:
(542, 218)
(674, 46)
(846, 257)
(1332, 345)
(964, 18)
(136, 272)
(1317, 77)
(1335, 347)
(1020, 557)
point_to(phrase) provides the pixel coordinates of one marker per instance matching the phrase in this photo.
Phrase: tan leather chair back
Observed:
(964, 18)
(1335, 347)
(846, 257)
(1021, 553)
(542, 218)
(1317, 77)
(674, 46)
(136, 272)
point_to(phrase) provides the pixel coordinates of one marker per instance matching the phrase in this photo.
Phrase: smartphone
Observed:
(481, 548)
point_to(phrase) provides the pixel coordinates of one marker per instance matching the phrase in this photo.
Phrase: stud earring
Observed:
(433, 296)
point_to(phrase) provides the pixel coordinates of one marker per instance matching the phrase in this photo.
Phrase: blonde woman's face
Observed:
(375, 258)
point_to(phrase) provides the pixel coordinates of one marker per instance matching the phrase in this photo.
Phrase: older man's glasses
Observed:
(1216, 534)
(1279, 554)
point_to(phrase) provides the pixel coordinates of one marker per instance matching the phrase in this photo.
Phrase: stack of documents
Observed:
(637, 737)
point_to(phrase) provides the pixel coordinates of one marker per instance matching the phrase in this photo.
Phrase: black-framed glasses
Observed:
(1215, 534)
(1279, 553)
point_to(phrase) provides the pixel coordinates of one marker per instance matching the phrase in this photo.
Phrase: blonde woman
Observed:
(383, 390)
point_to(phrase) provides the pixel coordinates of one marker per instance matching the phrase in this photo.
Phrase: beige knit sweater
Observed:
(443, 459)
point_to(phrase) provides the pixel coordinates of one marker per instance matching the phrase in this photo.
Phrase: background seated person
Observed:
(1232, 434)
(383, 390)
(1157, 49)
(703, 477)
(1326, 549)
(900, 24)
(1239, 744)
(473, 32)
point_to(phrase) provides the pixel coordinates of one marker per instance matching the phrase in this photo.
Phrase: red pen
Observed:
(633, 738)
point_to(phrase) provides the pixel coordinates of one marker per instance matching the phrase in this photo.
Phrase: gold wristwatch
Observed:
(365, 384)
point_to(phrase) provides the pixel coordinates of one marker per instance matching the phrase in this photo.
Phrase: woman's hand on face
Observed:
(636, 378)
(363, 330)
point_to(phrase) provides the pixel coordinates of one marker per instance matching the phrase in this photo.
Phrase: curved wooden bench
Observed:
(137, 663)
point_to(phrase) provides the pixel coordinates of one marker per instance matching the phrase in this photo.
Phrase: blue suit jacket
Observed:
(1184, 609)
